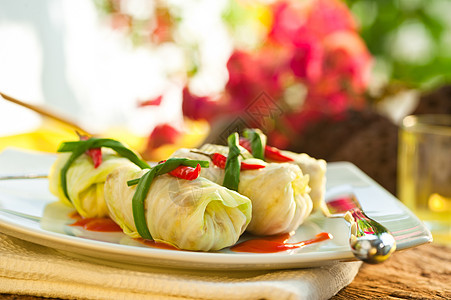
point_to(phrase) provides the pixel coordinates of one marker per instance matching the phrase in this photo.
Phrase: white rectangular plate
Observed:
(40, 219)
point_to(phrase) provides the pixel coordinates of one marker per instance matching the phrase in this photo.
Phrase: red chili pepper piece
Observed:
(245, 144)
(94, 153)
(271, 153)
(274, 154)
(219, 160)
(185, 172)
(247, 166)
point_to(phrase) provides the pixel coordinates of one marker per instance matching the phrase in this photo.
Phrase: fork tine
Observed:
(22, 176)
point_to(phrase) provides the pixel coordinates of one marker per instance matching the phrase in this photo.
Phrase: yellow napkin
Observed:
(30, 269)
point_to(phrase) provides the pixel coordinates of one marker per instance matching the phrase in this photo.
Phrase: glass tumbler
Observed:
(424, 171)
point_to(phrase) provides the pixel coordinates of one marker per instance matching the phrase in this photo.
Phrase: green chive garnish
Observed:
(138, 199)
(232, 168)
(79, 147)
(257, 140)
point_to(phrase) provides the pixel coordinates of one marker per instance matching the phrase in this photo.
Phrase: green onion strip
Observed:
(79, 147)
(232, 168)
(257, 140)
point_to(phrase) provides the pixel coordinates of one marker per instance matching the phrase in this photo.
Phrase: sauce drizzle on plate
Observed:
(95, 224)
(269, 244)
(277, 243)
(156, 244)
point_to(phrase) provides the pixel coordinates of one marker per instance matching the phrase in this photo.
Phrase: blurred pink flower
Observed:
(312, 64)
(250, 74)
(311, 43)
(161, 31)
(121, 21)
(288, 19)
(328, 16)
(306, 60)
(347, 55)
(161, 135)
(150, 102)
(200, 107)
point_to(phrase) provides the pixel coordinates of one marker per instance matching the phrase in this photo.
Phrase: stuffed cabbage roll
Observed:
(316, 169)
(84, 182)
(191, 215)
(255, 141)
(279, 192)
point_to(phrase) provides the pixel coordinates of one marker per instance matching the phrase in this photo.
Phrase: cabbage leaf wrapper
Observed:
(85, 184)
(316, 169)
(195, 215)
(279, 192)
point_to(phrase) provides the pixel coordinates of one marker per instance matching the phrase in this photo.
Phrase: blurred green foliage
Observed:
(411, 39)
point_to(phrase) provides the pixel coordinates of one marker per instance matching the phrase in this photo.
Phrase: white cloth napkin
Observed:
(27, 268)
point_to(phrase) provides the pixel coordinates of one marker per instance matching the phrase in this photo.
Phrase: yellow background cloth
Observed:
(50, 134)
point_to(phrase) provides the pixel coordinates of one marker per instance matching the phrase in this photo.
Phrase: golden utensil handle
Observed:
(45, 112)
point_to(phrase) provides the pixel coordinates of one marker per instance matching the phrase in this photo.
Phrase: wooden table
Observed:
(423, 272)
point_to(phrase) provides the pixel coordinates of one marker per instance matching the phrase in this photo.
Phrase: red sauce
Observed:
(277, 244)
(95, 224)
(75, 215)
(280, 238)
(269, 244)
